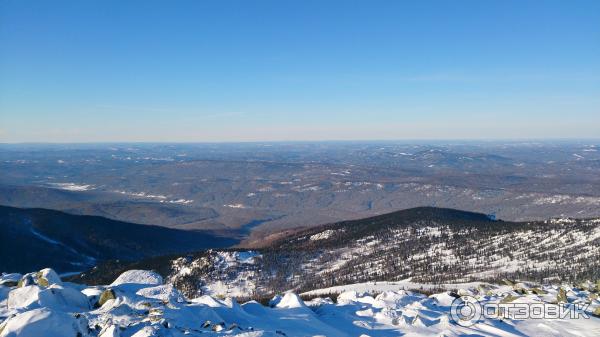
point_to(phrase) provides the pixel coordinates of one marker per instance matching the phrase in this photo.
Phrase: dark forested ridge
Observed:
(37, 238)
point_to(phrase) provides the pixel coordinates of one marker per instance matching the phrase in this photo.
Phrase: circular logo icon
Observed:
(465, 311)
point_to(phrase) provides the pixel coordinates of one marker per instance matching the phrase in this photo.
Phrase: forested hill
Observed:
(37, 238)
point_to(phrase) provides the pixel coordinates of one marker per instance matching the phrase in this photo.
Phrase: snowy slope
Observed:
(425, 245)
(455, 248)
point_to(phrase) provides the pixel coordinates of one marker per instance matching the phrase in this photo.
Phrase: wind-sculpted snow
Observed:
(139, 305)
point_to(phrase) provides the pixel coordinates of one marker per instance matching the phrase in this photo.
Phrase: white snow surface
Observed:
(145, 307)
(72, 187)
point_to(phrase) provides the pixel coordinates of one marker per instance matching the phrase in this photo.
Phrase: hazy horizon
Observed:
(423, 141)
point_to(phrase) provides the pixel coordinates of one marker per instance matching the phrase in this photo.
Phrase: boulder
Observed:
(10, 280)
(24, 297)
(45, 322)
(143, 277)
(55, 297)
(46, 277)
(25, 281)
(538, 291)
(508, 299)
(110, 331)
(561, 297)
(106, 295)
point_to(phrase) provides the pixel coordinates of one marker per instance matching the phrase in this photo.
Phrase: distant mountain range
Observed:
(266, 187)
(36, 238)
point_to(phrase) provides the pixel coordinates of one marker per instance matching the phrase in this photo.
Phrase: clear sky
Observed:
(73, 71)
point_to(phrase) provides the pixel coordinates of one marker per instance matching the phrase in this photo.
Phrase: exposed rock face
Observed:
(106, 295)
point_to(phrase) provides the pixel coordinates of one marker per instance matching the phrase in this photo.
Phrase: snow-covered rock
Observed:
(56, 297)
(10, 280)
(45, 322)
(165, 292)
(290, 300)
(110, 330)
(23, 297)
(139, 306)
(47, 276)
(443, 299)
(145, 277)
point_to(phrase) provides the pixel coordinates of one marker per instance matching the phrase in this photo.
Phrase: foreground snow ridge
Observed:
(139, 304)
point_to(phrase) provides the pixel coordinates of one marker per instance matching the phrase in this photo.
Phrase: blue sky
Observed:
(86, 71)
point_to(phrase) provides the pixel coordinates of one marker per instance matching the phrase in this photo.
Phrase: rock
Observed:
(46, 277)
(155, 314)
(45, 322)
(165, 323)
(521, 291)
(508, 299)
(484, 289)
(23, 297)
(538, 291)
(218, 327)
(275, 300)
(464, 292)
(443, 299)
(146, 331)
(106, 295)
(561, 297)
(145, 277)
(55, 297)
(93, 295)
(166, 293)
(586, 285)
(10, 280)
(508, 282)
(110, 331)
(291, 301)
(27, 280)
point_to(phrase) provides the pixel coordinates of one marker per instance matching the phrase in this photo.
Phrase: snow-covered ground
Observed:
(72, 186)
(139, 304)
(379, 287)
